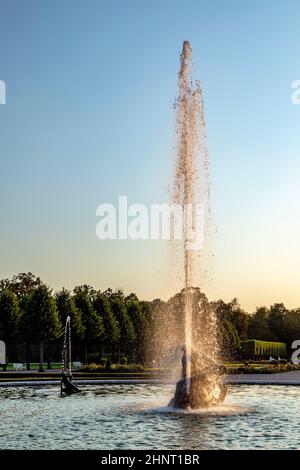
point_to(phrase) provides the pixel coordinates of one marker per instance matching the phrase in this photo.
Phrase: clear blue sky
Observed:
(90, 88)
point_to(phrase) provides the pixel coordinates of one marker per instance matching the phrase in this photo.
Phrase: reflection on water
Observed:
(136, 416)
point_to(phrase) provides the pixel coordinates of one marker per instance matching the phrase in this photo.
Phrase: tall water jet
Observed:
(185, 179)
(185, 182)
(200, 384)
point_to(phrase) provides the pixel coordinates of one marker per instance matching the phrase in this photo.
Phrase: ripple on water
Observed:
(136, 417)
(216, 411)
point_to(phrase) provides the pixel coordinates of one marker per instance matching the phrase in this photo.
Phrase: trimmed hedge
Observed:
(256, 349)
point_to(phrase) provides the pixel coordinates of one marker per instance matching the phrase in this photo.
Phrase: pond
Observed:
(136, 417)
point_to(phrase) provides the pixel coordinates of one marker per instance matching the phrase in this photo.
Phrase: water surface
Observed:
(136, 417)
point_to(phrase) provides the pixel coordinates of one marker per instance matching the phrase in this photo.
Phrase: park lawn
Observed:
(35, 365)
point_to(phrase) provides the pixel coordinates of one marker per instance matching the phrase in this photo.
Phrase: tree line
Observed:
(32, 319)
(31, 314)
(275, 323)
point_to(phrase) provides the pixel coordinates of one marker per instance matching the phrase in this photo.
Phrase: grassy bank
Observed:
(262, 367)
(137, 371)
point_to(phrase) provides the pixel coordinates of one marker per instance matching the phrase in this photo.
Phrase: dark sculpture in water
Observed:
(67, 387)
(206, 387)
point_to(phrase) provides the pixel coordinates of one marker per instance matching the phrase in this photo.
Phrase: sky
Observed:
(89, 116)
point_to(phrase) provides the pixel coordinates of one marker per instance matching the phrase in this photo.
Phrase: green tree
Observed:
(239, 318)
(232, 312)
(39, 318)
(9, 313)
(228, 335)
(259, 327)
(92, 321)
(112, 332)
(24, 283)
(5, 284)
(138, 319)
(118, 305)
(65, 304)
(276, 320)
(24, 327)
(155, 313)
(228, 339)
(291, 327)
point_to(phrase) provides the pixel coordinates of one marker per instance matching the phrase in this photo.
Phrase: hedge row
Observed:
(255, 349)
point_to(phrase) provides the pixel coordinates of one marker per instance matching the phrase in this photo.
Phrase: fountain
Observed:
(201, 384)
(67, 385)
